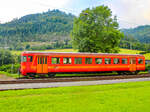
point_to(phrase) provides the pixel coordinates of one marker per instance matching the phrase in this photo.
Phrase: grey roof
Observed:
(83, 53)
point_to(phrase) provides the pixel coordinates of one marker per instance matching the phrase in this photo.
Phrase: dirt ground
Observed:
(4, 77)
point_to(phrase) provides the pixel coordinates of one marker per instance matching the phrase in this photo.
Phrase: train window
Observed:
(55, 60)
(66, 60)
(40, 60)
(30, 58)
(98, 60)
(88, 60)
(140, 61)
(78, 61)
(23, 59)
(107, 60)
(124, 61)
(116, 61)
(45, 60)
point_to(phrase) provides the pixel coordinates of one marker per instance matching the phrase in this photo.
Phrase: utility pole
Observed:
(130, 45)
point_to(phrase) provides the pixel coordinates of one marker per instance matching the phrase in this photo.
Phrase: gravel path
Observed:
(62, 84)
(4, 78)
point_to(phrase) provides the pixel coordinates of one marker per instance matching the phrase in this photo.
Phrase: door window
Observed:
(132, 61)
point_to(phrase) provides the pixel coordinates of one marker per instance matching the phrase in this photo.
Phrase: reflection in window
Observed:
(78, 61)
(116, 61)
(107, 60)
(98, 60)
(140, 61)
(30, 58)
(88, 60)
(66, 60)
(23, 59)
(124, 61)
(45, 60)
(55, 60)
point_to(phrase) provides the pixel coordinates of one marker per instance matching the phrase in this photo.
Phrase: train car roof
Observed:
(78, 53)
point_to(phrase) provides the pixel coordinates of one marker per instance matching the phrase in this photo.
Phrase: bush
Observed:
(147, 68)
(10, 68)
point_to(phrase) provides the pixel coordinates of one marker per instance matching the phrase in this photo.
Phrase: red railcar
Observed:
(50, 63)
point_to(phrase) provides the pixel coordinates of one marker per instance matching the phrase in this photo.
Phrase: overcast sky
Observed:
(130, 13)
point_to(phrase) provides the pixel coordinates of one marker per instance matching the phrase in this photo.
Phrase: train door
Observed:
(42, 66)
(132, 64)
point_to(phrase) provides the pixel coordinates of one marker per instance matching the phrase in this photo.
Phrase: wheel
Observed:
(51, 75)
(120, 73)
(31, 75)
(135, 72)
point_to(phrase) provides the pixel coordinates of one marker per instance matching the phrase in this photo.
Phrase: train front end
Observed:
(26, 62)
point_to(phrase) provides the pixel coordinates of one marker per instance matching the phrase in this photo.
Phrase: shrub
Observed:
(10, 68)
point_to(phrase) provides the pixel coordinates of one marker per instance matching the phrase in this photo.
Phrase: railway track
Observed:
(74, 78)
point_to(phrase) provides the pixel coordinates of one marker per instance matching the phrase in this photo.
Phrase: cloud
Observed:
(10, 9)
(131, 13)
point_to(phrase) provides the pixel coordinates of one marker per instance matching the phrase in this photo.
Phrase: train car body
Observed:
(52, 62)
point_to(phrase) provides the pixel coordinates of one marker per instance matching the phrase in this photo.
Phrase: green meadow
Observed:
(123, 97)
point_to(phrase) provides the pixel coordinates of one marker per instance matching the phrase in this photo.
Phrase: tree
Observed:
(96, 31)
(28, 46)
(6, 57)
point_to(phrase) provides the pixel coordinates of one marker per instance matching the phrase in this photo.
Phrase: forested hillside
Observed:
(42, 27)
(141, 33)
(51, 29)
(136, 38)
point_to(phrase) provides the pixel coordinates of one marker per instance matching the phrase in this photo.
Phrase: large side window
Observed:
(116, 61)
(23, 59)
(107, 60)
(55, 60)
(124, 61)
(66, 60)
(88, 60)
(30, 58)
(140, 61)
(98, 60)
(78, 60)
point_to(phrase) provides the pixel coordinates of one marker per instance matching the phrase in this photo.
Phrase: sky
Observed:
(130, 13)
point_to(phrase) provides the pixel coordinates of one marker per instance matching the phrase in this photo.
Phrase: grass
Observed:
(61, 50)
(51, 50)
(128, 51)
(123, 97)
